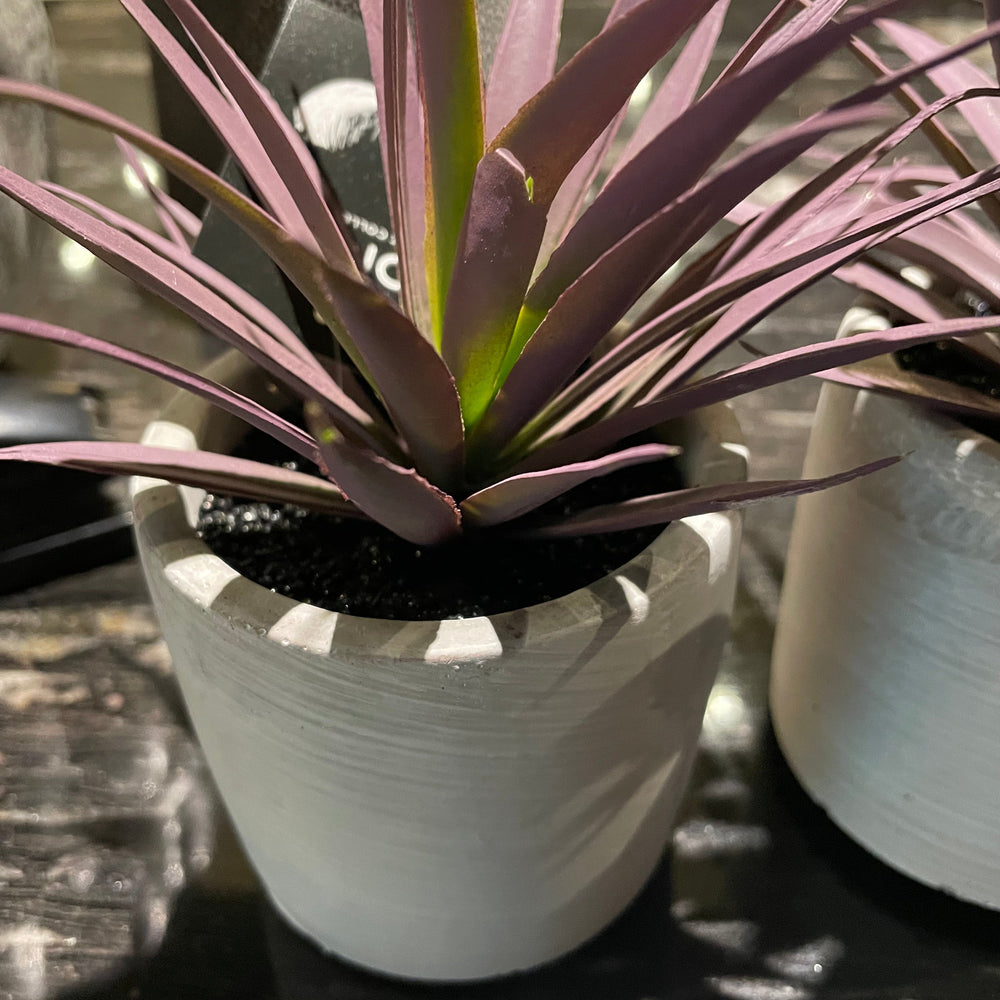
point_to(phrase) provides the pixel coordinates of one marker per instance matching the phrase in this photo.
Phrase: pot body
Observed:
(457, 799)
(885, 689)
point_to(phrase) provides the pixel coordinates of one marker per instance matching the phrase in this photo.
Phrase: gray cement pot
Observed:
(885, 688)
(458, 799)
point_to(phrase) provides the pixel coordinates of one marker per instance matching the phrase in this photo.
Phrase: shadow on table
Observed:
(811, 916)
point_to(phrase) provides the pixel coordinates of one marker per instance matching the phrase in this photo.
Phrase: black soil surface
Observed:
(358, 567)
(948, 361)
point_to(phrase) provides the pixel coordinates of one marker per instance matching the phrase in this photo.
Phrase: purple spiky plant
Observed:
(949, 266)
(498, 384)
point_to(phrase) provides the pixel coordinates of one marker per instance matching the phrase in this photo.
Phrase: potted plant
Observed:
(457, 793)
(887, 651)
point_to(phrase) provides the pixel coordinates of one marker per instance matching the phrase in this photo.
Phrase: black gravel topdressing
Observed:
(358, 567)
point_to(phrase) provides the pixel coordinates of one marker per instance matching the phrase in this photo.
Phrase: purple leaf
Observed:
(657, 175)
(161, 204)
(410, 377)
(451, 92)
(758, 374)
(597, 299)
(786, 271)
(513, 497)
(950, 78)
(230, 127)
(921, 304)
(573, 191)
(235, 205)
(423, 405)
(150, 270)
(904, 297)
(524, 60)
(398, 67)
(182, 257)
(251, 307)
(767, 28)
(819, 255)
(202, 469)
(696, 500)
(488, 279)
(945, 143)
(398, 498)
(973, 264)
(175, 285)
(401, 137)
(557, 126)
(304, 268)
(291, 159)
(680, 86)
(246, 409)
(991, 8)
(883, 376)
(801, 26)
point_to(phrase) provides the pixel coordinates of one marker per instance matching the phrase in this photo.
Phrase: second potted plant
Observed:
(885, 690)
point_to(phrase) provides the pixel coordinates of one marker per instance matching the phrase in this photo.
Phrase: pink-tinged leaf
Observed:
(178, 287)
(398, 498)
(950, 78)
(800, 265)
(557, 126)
(202, 469)
(840, 192)
(304, 268)
(664, 507)
(524, 61)
(919, 303)
(680, 86)
(884, 376)
(657, 175)
(232, 203)
(907, 96)
(758, 374)
(573, 192)
(409, 376)
(510, 498)
(288, 154)
(398, 65)
(951, 254)
(318, 282)
(250, 306)
(232, 402)
(991, 8)
(788, 270)
(802, 25)
(231, 128)
(489, 278)
(769, 25)
(908, 299)
(600, 297)
(569, 411)
(156, 196)
(825, 194)
(401, 137)
(447, 37)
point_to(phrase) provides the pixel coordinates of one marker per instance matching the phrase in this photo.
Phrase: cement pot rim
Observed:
(949, 458)
(165, 513)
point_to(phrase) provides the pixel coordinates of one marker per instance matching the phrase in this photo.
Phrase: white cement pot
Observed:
(885, 690)
(458, 799)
